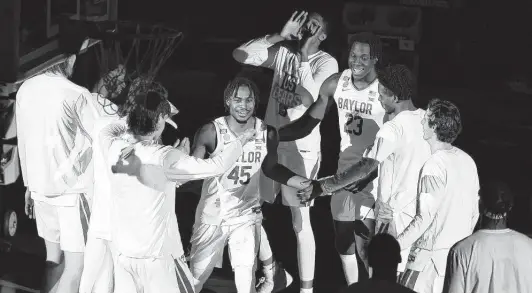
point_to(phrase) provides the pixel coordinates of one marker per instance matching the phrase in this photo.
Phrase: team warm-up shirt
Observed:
(101, 205)
(143, 176)
(401, 154)
(233, 197)
(360, 116)
(285, 103)
(54, 120)
(447, 208)
(490, 261)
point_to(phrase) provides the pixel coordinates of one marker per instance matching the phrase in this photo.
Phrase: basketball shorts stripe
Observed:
(185, 286)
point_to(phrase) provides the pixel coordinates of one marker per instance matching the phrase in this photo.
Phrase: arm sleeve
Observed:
(455, 274)
(180, 166)
(21, 143)
(256, 51)
(430, 191)
(72, 150)
(312, 81)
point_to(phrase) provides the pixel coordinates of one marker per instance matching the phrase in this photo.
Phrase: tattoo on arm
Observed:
(362, 172)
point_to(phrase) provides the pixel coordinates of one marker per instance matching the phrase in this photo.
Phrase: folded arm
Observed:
(276, 171)
(303, 126)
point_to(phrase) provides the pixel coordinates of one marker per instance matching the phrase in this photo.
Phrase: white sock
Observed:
(306, 253)
(350, 265)
(306, 290)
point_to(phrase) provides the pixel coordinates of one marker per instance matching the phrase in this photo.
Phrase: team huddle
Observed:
(102, 187)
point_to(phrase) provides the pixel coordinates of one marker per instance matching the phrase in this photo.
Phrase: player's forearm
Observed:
(362, 171)
(299, 128)
(180, 166)
(280, 173)
(255, 52)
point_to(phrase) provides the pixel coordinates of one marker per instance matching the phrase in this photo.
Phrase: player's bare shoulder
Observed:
(329, 85)
(205, 138)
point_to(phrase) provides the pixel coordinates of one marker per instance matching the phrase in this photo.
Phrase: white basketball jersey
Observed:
(360, 116)
(233, 197)
(285, 104)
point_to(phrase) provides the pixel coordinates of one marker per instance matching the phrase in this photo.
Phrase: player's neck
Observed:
(238, 127)
(403, 106)
(436, 145)
(366, 81)
(493, 224)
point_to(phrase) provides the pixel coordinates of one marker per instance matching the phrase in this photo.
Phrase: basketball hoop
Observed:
(133, 51)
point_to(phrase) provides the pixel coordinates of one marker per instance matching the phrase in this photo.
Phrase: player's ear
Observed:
(322, 37)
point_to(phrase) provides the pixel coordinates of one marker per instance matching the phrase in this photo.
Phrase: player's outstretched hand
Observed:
(248, 135)
(183, 145)
(310, 193)
(292, 28)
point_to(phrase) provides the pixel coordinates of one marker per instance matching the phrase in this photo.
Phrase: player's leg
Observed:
(167, 275)
(208, 242)
(306, 245)
(125, 279)
(48, 228)
(74, 225)
(351, 236)
(243, 245)
(97, 273)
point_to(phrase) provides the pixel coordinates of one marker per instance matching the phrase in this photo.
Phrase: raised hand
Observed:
(248, 135)
(309, 37)
(292, 28)
(183, 145)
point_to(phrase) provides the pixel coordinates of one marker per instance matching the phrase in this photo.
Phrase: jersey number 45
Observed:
(240, 174)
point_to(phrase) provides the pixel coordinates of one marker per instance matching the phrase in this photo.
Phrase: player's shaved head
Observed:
(496, 198)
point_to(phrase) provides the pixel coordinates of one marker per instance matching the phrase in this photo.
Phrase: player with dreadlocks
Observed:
(355, 93)
(398, 153)
(229, 209)
(495, 258)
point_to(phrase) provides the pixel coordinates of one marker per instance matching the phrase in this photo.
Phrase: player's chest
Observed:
(364, 103)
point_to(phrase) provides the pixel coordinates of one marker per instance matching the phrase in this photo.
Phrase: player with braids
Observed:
(495, 258)
(229, 211)
(398, 153)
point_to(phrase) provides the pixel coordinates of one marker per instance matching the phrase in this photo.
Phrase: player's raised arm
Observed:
(204, 141)
(303, 126)
(276, 171)
(262, 51)
(181, 166)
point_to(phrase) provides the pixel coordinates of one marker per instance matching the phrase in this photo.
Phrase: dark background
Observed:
(466, 55)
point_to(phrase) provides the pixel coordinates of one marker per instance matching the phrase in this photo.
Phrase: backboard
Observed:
(29, 34)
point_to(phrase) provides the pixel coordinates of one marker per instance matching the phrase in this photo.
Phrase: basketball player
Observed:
(145, 234)
(295, 57)
(355, 92)
(229, 208)
(495, 258)
(447, 202)
(398, 153)
(54, 118)
(98, 272)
